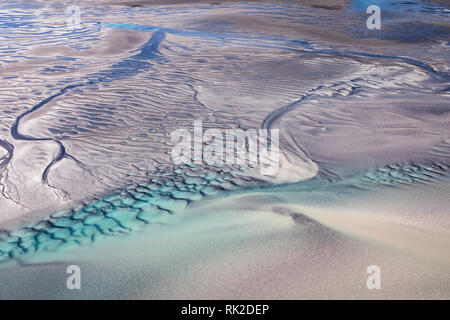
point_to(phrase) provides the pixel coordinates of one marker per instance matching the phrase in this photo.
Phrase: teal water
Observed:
(154, 203)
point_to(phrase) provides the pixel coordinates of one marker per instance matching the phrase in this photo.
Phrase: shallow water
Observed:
(87, 115)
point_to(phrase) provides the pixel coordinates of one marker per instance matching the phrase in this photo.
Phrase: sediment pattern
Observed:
(96, 137)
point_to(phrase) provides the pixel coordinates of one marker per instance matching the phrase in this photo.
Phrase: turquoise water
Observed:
(155, 202)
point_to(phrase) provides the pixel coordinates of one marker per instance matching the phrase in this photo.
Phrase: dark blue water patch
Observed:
(397, 6)
(55, 131)
(385, 5)
(82, 130)
(17, 24)
(66, 58)
(408, 32)
(400, 6)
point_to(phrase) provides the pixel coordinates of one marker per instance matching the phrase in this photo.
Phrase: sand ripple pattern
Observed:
(94, 137)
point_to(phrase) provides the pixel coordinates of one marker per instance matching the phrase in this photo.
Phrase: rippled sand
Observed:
(86, 176)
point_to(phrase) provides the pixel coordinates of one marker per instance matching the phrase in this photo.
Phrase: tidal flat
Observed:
(90, 96)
